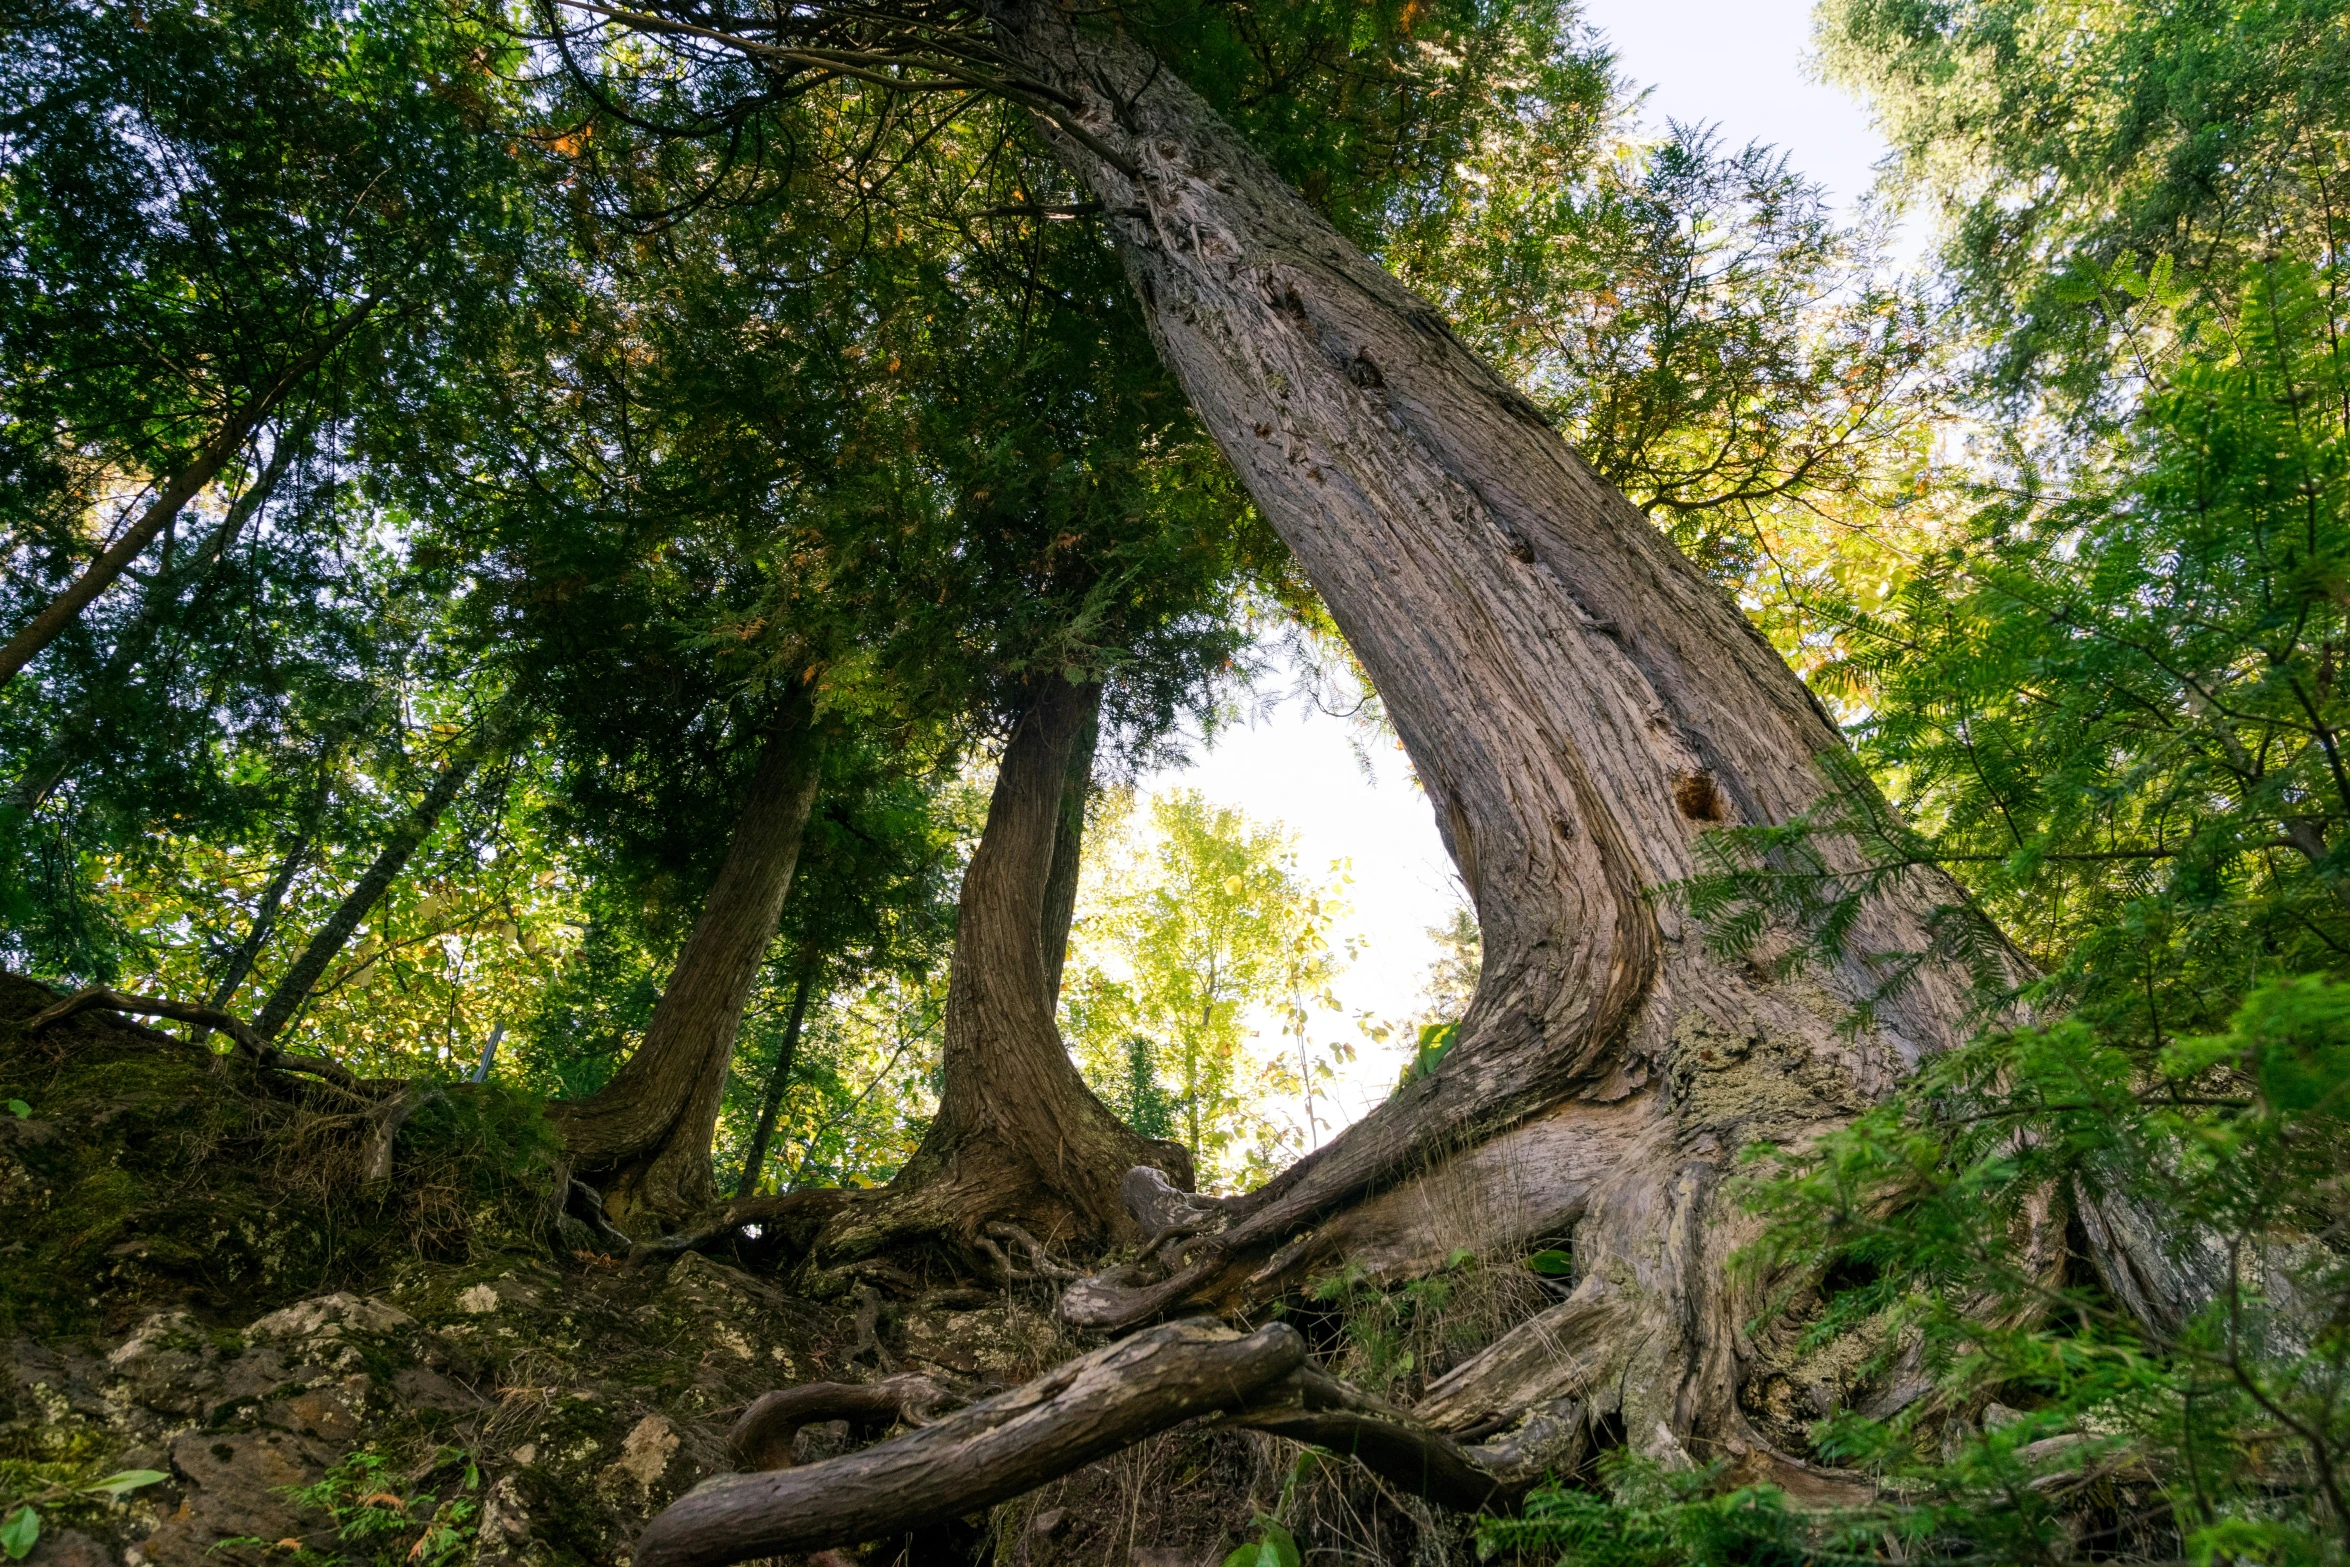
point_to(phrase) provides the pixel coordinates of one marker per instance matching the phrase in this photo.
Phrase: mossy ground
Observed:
(152, 1172)
(193, 1281)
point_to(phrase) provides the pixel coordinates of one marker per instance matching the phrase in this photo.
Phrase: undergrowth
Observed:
(150, 1171)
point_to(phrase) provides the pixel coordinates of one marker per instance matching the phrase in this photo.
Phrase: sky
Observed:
(1741, 66)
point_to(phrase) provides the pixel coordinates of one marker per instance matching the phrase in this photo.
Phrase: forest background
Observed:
(435, 492)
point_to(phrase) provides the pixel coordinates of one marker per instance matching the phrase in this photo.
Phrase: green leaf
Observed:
(19, 1532)
(20, 1109)
(125, 1482)
(1277, 1549)
(1552, 1263)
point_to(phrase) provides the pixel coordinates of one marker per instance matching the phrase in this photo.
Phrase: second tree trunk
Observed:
(644, 1138)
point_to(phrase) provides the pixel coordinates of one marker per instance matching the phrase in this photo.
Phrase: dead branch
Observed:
(1082, 1410)
(762, 1438)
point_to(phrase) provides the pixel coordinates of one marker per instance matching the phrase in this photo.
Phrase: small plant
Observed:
(19, 1109)
(381, 1521)
(21, 1529)
(1274, 1547)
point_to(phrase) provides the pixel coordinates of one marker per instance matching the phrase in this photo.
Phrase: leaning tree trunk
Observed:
(787, 1054)
(182, 486)
(1581, 704)
(1018, 1136)
(1060, 889)
(327, 942)
(644, 1137)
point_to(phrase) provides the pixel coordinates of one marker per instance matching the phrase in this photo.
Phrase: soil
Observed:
(194, 1283)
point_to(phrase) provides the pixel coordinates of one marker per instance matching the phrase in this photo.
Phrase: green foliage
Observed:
(2059, 139)
(1177, 935)
(2113, 714)
(385, 1519)
(1949, 1222)
(1434, 1042)
(27, 1487)
(1655, 1516)
(1275, 1546)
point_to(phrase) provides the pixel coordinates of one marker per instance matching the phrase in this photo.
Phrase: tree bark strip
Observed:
(1060, 889)
(778, 1080)
(295, 985)
(1018, 1134)
(645, 1136)
(182, 487)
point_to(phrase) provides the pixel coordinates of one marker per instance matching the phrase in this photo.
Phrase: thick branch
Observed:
(1086, 1409)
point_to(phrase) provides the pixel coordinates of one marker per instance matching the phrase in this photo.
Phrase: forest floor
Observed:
(193, 1282)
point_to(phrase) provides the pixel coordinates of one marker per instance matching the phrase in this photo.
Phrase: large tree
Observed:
(1583, 707)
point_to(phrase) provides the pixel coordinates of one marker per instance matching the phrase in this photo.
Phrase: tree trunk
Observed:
(1060, 889)
(273, 898)
(644, 1137)
(1581, 705)
(778, 1081)
(1018, 1135)
(84, 733)
(294, 987)
(178, 490)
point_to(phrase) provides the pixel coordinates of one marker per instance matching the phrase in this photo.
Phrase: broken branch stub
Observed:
(1085, 1409)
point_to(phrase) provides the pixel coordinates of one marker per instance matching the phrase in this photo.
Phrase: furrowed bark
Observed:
(182, 487)
(1018, 1135)
(294, 987)
(1580, 702)
(1060, 889)
(645, 1136)
(778, 1080)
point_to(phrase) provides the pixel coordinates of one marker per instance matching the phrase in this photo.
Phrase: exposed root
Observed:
(1040, 1262)
(1075, 1414)
(762, 1438)
(797, 1214)
(1085, 1409)
(99, 999)
(869, 1330)
(377, 1171)
(584, 1203)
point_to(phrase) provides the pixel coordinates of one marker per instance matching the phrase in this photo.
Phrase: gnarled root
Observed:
(762, 1438)
(1075, 1414)
(1085, 1409)
(100, 999)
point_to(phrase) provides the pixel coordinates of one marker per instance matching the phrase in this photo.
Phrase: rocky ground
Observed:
(193, 1284)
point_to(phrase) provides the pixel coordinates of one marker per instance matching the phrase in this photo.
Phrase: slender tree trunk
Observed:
(644, 1138)
(1581, 705)
(84, 733)
(180, 488)
(294, 987)
(778, 1081)
(1018, 1135)
(273, 897)
(1060, 888)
